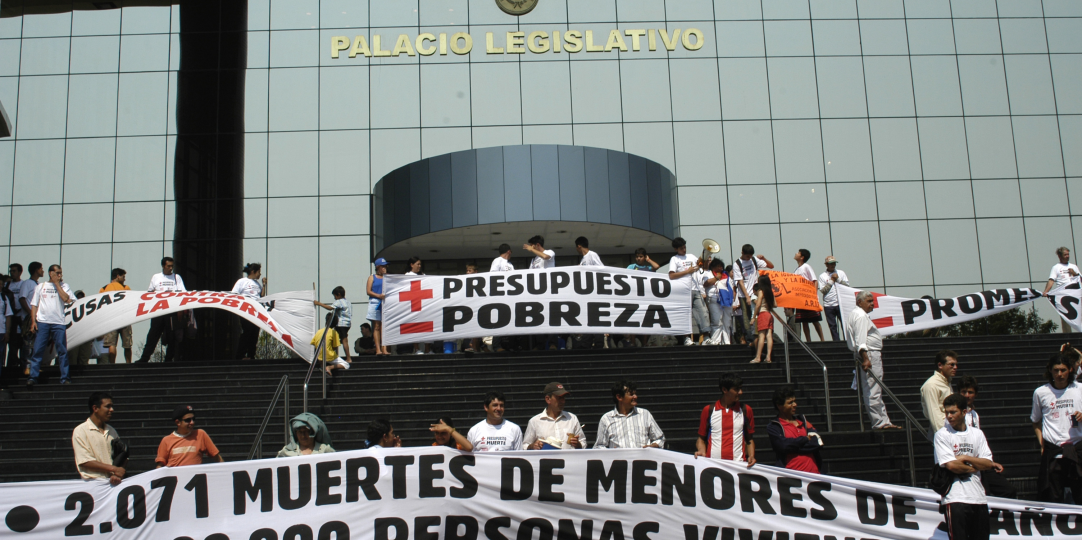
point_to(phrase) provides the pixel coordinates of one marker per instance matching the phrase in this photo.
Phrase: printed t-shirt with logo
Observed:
(177, 451)
(50, 305)
(1062, 275)
(680, 263)
(748, 272)
(949, 444)
(486, 437)
(1053, 408)
(726, 430)
(539, 262)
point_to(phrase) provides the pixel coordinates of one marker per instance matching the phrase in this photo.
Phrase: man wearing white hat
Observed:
(831, 309)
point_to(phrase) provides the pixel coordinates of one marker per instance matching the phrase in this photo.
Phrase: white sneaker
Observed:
(419, 351)
(688, 342)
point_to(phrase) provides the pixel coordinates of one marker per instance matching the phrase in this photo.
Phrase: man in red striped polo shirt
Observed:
(726, 427)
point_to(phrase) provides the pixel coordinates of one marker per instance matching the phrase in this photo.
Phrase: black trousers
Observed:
(249, 339)
(1056, 474)
(967, 521)
(996, 485)
(173, 331)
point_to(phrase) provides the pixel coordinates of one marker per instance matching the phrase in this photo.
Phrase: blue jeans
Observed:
(833, 315)
(58, 335)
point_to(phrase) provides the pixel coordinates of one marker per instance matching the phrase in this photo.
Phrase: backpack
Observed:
(941, 480)
(725, 296)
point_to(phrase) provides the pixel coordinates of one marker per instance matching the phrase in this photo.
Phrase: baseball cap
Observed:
(381, 262)
(182, 410)
(555, 389)
(830, 260)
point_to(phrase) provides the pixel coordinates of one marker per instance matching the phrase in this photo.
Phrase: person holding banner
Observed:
(831, 308)
(1063, 273)
(494, 433)
(807, 316)
(681, 267)
(343, 313)
(374, 289)
(252, 289)
(123, 335)
(863, 338)
(764, 319)
(554, 428)
(92, 442)
(170, 325)
(628, 426)
(1055, 416)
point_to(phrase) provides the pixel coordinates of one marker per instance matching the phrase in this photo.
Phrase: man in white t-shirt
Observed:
(807, 317)
(172, 325)
(47, 319)
(831, 307)
(964, 451)
(22, 290)
(589, 258)
(682, 267)
(1063, 273)
(1055, 416)
(542, 258)
(501, 263)
(746, 273)
(494, 434)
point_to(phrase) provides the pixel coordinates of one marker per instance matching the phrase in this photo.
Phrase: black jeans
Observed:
(967, 521)
(249, 339)
(174, 334)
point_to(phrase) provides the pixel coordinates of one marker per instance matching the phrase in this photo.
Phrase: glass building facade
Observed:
(932, 146)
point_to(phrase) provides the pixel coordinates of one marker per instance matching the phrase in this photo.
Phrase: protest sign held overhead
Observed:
(897, 315)
(407, 493)
(578, 300)
(793, 291)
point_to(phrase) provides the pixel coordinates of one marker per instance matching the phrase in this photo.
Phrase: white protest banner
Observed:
(440, 493)
(574, 299)
(95, 315)
(1067, 300)
(897, 315)
(296, 315)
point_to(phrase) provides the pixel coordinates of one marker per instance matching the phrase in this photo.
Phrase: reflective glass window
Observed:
(749, 156)
(281, 255)
(703, 205)
(735, 10)
(930, 36)
(895, 150)
(99, 22)
(92, 105)
(955, 258)
(599, 11)
(997, 198)
(7, 171)
(145, 19)
(9, 56)
(848, 150)
(555, 134)
(9, 92)
(1067, 75)
(143, 103)
(95, 54)
(788, 38)
(256, 96)
(815, 237)
(297, 14)
(792, 88)
(890, 89)
(740, 38)
(935, 85)
(591, 84)
(785, 9)
(927, 8)
(497, 99)
(351, 253)
(984, 87)
(696, 93)
(1061, 8)
(294, 99)
(753, 204)
(645, 94)
(1023, 35)
(88, 170)
(652, 140)
(144, 53)
(39, 172)
(391, 148)
(295, 48)
(1036, 141)
(1074, 195)
(140, 168)
(255, 218)
(343, 169)
(883, 37)
(445, 94)
(1042, 246)
(306, 212)
(856, 245)
(833, 9)
(258, 49)
(396, 89)
(343, 215)
(351, 14)
(841, 87)
(943, 148)
(36, 224)
(46, 56)
(798, 151)
(977, 36)
(991, 147)
(689, 10)
(903, 243)
(86, 265)
(46, 25)
(698, 147)
(836, 37)
(854, 201)
(949, 199)
(38, 110)
(11, 27)
(293, 164)
(1030, 84)
(484, 137)
(973, 8)
(541, 105)
(1070, 129)
(800, 203)
(440, 141)
(141, 221)
(255, 165)
(1019, 8)
(880, 9)
(1064, 35)
(744, 92)
(901, 200)
(1043, 196)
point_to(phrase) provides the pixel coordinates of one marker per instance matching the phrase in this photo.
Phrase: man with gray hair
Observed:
(864, 340)
(1063, 273)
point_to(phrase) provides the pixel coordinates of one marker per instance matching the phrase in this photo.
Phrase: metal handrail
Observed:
(788, 378)
(910, 419)
(283, 387)
(893, 398)
(315, 358)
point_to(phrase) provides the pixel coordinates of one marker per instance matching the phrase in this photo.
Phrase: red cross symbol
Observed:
(415, 296)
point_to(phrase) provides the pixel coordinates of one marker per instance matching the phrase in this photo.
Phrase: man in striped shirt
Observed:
(628, 426)
(727, 426)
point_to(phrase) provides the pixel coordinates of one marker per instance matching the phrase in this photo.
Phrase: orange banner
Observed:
(793, 291)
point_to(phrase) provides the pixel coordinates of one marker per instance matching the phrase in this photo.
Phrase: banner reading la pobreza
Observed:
(573, 299)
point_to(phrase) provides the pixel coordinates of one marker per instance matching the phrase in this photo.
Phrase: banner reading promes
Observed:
(566, 300)
(897, 315)
(437, 492)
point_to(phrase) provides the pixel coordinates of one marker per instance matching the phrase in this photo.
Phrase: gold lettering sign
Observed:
(536, 42)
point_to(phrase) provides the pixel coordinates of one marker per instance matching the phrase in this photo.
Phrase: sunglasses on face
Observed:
(187, 420)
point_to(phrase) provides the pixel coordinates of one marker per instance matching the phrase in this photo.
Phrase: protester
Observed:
(628, 426)
(307, 435)
(118, 276)
(381, 435)
(681, 267)
(719, 299)
(807, 316)
(727, 426)
(864, 340)
(1064, 272)
(764, 320)
(1056, 412)
(92, 442)
(963, 451)
(188, 445)
(746, 273)
(494, 434)
(6, 332)
(253, 289)
(327, 349)
(994, 483)
(173, 325)
(937, 388)
(589, 258)
(47, 321)
(366, 344)
(554, 428)
(445, 434)
(374, 290)
(739, 334)
(81, 355)
(795, 441)
(643, 262)
(343, 312)
(414, 268)
(502, 262)
(831, 307)
(542, 258)
(22, 291)
(969, 389)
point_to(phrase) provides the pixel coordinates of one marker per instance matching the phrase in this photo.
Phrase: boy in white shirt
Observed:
(746, 273)
(501, 263)
(681, 267)
(964, 451)
(1055, 416)
(543, 258)
(589, 258)
(1063, 273)
(47, 319)
(807, 316)
(494, 434)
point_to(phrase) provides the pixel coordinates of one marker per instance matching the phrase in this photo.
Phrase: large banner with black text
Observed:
(96, 315)
(897, 315)
(567, 300)
(1067, 300)
(439, 493)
